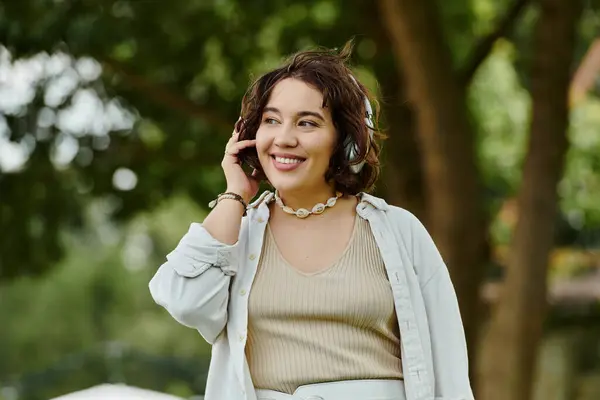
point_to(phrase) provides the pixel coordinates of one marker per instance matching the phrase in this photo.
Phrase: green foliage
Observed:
(458, 20)
(502, 108)
(580, 188)
(92, 319)
(177, 70)
(162, 85)
(523, 37)
(123, 124)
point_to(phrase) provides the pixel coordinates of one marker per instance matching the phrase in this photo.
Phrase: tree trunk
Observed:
(516, 327)
(455, 205)
(403, 173)
(401, 183)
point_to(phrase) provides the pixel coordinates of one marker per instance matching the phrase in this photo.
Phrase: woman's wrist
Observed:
(240, 193)
(230, 195)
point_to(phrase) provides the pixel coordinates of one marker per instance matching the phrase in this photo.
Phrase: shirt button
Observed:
(252, 256)
(260, 220)
(243, 292)
(242, 337)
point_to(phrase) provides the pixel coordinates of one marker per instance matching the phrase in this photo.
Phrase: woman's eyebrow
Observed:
(311, 114)
(299, 114)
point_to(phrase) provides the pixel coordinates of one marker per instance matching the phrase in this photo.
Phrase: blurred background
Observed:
(113, 119)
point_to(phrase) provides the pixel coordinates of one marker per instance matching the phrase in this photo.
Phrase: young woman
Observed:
(316, 290)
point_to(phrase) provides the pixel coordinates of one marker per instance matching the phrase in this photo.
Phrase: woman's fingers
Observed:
(246, 143)
(236, 147)
(233, 139)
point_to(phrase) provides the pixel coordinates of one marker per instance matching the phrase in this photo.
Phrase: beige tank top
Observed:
(336, 324)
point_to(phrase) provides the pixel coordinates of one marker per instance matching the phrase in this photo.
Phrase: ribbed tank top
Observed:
(335, 324)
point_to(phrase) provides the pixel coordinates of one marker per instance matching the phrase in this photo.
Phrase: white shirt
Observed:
(204, 285)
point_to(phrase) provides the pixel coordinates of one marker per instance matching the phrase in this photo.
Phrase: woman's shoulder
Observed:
(405, 223)
(412, 235)
(396, 214)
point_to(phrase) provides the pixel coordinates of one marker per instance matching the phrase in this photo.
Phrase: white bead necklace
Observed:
(319, 208)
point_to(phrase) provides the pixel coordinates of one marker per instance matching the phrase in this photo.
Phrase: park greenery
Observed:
(113, 118)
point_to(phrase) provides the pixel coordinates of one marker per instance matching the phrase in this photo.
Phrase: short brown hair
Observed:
(327, 71)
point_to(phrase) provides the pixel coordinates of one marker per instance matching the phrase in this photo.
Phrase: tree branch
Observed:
(163, 95)
(485, 44)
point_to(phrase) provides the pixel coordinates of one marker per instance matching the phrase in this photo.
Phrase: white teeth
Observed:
(282, 160)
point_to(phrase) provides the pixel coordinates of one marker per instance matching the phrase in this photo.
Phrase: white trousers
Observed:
(369, 389)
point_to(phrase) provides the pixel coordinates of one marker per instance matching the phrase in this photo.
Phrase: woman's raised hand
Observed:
(237, 180)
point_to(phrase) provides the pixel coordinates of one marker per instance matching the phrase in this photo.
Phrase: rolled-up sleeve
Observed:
(448, 344)
(193, 284)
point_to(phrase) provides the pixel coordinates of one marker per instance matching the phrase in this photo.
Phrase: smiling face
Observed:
(296, 138)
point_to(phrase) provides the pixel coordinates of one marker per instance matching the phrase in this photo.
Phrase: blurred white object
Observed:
(116, 392)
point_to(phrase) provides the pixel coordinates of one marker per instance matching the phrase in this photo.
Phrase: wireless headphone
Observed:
(350, 145)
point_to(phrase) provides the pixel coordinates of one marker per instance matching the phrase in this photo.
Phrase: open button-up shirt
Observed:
(205, 285)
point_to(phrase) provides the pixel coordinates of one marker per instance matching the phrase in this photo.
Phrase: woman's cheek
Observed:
(262, 148)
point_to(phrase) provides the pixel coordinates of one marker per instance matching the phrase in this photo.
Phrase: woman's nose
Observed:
(286, 136)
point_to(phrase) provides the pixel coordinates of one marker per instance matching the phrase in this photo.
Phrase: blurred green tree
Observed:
(91, 319)
(163, 84)
(166, 82)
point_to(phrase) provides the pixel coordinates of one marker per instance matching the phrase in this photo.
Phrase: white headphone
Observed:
(350, 145)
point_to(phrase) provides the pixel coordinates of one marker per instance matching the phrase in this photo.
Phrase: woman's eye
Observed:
(308, 124)
(270, 121)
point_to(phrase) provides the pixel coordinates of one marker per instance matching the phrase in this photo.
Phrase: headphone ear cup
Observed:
(351, 149)
(352, 152)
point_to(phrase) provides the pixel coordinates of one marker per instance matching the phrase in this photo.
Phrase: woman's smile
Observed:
(286, 162)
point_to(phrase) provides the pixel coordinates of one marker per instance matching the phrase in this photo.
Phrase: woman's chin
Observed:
(286, 183)
(286, 187)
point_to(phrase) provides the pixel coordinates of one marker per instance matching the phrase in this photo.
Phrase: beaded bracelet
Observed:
(230, 196)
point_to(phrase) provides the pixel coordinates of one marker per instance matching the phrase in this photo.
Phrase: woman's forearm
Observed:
(224, 221)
